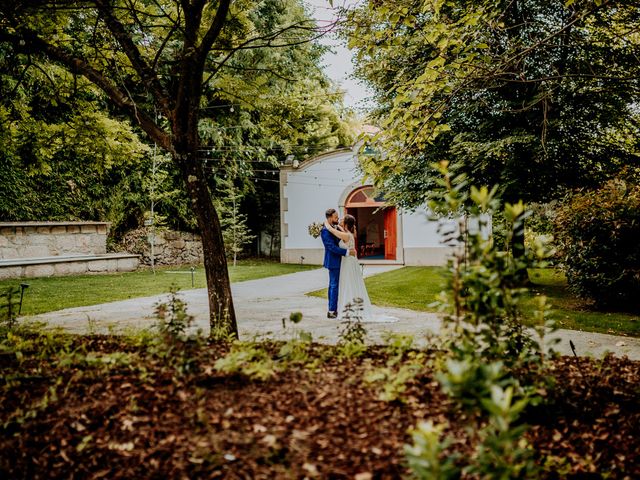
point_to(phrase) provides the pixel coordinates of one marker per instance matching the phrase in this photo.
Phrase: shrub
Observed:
(487, 348)
(597, 235)
(248, 359)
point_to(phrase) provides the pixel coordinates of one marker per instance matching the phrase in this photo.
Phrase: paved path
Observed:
(261, 305)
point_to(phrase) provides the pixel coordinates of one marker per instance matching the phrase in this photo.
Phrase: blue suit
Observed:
(332, 259)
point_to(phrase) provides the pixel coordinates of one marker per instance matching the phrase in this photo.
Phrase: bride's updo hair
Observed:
(350, 223)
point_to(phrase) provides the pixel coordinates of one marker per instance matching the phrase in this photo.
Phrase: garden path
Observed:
(262, 304)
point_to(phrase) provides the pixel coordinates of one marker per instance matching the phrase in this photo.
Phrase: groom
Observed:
(332, 258)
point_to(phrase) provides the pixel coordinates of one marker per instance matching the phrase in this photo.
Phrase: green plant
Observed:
(487, 347)
(173, 319)
(352, 335)
(426, 456)
(248, 359)
(469, 381)
(484, 298)
(352, 329)
(597, 234)
(296, 350)
(235, 232)
(173, 344)
(393, 379)
(502, 452)
(397, 344)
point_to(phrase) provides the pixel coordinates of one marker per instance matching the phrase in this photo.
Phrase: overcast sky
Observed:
(338, 64)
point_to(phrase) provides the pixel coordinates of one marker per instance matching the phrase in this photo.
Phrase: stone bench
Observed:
(67, 265)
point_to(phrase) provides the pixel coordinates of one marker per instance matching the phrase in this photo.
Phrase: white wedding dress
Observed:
(352, 287)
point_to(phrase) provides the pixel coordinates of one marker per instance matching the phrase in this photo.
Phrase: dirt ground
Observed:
(134, 417)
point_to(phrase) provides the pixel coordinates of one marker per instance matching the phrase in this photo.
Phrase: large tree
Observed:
(158, 61)
(538, 96)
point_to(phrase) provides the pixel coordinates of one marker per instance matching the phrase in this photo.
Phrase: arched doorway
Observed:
(376, 224)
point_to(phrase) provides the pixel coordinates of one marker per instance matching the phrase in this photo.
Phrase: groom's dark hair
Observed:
(329, 213)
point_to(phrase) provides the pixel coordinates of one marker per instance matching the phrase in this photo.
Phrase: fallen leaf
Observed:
(364, 476)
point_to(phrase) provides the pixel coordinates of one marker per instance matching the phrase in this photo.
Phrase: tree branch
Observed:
(269, 37)
(147, 74)
(28, 41)
(214, 30)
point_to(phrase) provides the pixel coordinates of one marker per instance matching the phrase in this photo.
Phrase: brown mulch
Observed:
(146, 422)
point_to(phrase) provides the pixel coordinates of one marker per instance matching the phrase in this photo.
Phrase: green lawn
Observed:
(55, 293)
(416, 288)
(572, 313)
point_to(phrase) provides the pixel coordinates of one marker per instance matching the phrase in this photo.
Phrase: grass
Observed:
(573, 313)
(415, 288)
(409, 287)
(55, 293)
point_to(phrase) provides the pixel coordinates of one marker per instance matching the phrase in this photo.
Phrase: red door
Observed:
(390, 233)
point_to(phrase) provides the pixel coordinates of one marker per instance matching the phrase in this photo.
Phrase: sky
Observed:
(338, 64)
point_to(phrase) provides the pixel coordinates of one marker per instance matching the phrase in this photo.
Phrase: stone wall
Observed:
(69, 265)
(47, 239)
(171, 247)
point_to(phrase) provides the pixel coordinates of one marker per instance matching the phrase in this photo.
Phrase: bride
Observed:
(351, 286)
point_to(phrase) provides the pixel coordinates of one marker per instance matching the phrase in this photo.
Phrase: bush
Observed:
(597, 236)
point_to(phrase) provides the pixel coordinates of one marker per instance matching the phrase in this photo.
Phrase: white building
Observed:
(332, 180)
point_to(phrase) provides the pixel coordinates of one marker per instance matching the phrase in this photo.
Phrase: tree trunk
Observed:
(222, 317)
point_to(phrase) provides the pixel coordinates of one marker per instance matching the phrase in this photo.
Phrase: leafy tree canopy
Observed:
(538, 96)
(168, 65)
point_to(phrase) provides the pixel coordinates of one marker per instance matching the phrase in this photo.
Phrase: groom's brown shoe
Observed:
(332, 314)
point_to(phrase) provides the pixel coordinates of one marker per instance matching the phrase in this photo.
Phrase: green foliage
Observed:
(259, 104)
(426, 455)
(174, 321)
(33, 339)
(484, 298)
(235, 233)
(392, 380)
(398, 345)
(296, 351)
(490, 362)
(502, 453)
(468, 381)
(402, 366)
(295, 317)
(54, 127)
(248, 359)
(174, 344)
(352, 329)
(352, 335)
(535, 96)
(597, 233)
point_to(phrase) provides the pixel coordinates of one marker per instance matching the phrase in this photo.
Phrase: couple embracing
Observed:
(346, 284)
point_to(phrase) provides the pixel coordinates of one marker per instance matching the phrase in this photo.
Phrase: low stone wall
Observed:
(68, 265)
(47, 239)
(171, 247)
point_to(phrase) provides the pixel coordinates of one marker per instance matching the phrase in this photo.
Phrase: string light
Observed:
(266, 97)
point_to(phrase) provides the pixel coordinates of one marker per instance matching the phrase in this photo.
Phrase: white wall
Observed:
(418, 230)
(311, 190)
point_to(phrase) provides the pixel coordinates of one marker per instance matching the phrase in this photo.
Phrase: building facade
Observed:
(386, 234)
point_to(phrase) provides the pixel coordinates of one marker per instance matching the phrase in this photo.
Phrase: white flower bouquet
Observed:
(315, 228)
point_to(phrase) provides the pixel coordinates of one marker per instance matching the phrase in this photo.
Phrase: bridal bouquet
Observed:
(314, 229)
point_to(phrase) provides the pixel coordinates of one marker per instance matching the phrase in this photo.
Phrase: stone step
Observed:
(67, 265)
